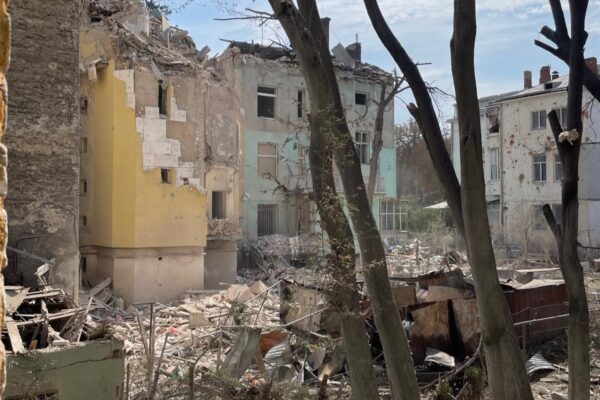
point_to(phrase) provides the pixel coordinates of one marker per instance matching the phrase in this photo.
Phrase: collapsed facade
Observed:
(161, 137)
(277, 182)
(522, 168)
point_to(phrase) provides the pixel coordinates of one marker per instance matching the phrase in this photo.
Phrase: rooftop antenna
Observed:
(356, 37)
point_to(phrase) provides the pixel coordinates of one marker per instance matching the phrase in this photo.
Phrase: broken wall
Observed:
(44, 136)
(87, 370)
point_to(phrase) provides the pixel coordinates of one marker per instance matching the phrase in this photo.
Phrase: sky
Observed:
(504, 45)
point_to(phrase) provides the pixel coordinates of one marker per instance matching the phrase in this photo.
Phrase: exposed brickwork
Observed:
(43, 135)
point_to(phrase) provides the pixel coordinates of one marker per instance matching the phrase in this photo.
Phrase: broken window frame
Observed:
(494, 166)
(266, 93)
(263, 158)
(364, 98)
(539, 168)
(164, 175)
(266, 216)
(538, 120)
(391, 215)
(301, 99)
(361, 142)
(218, 206)
(162, 98)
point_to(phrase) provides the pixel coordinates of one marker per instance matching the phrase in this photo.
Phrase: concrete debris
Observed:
(225, 227)
(238, 294)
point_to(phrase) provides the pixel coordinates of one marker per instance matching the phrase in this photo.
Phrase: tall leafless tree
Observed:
(507, 376)
(561, 39)
(303, 28)
(385, 99)
(566, 232)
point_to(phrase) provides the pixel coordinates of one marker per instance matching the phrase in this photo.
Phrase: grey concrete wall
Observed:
(43, 135)
(88, 370)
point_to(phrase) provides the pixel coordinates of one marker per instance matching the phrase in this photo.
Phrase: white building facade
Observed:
(522, 168)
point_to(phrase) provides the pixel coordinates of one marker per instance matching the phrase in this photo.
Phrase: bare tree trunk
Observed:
(562, 41)
(4, 63)
(506, 371)
(377, 144)
(304, 31)
(566, 233)
(343, 291)
(424, 115)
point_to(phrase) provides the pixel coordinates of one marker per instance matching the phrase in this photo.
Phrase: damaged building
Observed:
(43, 137)
(160, 157)
(276, 173)
(522, 168)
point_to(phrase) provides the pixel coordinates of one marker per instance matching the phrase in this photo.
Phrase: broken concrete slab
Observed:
(197, 319)
(258, 287)
(238, 294)
(242, 352)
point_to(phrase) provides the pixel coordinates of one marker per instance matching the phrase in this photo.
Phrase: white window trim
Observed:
(496, 176)
(264, 94)
(366, 143)
(536, 163)
(539, 120)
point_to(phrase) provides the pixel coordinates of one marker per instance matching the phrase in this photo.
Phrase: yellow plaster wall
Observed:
(132, 208)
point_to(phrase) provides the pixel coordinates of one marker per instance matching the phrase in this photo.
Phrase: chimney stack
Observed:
(527, 81)
(592, 64)
(544, 74)
(355, 51)
(325, 25)
(555, 75)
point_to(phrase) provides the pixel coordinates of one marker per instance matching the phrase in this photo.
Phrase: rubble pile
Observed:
(209, 340)
(42, 317)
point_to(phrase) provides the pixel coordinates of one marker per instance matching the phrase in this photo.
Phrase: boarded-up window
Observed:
(267, 160)
(265, 99)
(218, 205)
(267, 219)
(361, 141)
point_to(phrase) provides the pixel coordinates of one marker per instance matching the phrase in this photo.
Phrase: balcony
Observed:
(224, 228)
